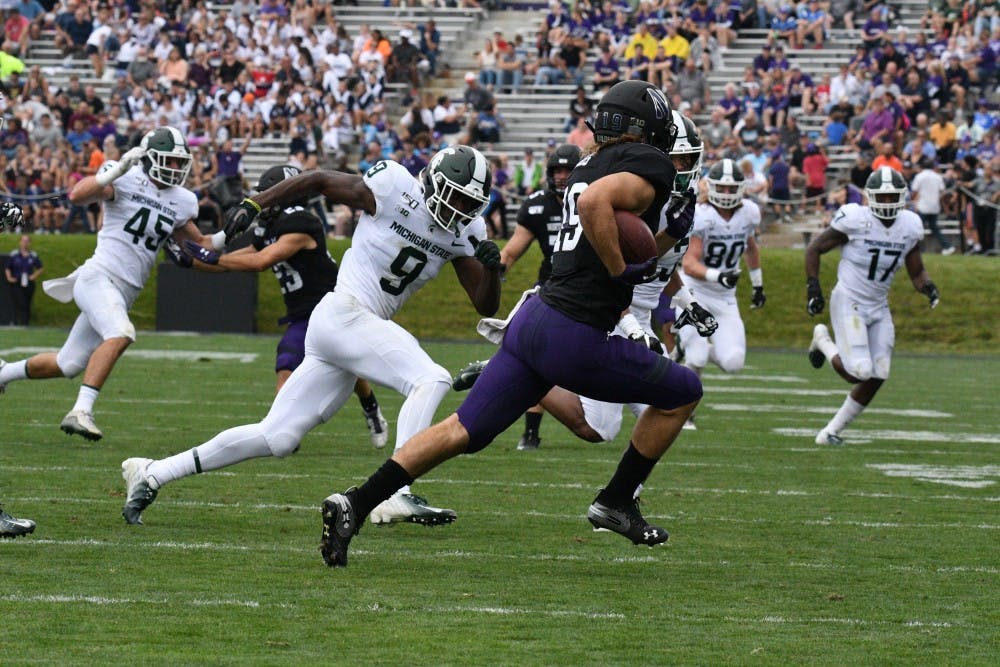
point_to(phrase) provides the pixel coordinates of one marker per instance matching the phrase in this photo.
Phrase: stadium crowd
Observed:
(228, 74)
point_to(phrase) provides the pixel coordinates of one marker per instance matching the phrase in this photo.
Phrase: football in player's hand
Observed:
(634, 237)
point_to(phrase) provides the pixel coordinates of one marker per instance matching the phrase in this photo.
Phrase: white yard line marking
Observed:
(520, 611)
(888, 434)
(788, 391)
(759, 378)
(665, 557)
(170, 355)
(775, 407)
(101, 600)
(970, 477)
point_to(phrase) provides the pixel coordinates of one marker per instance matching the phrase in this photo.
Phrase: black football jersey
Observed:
(306, 276)
(541, 213)
(580, 286)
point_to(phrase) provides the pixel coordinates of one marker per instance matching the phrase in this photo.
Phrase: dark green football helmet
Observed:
(168, 160)
(457, 186)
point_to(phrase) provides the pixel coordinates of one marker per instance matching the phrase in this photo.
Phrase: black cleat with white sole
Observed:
(627, 521)
(468, 376)
(339, 526)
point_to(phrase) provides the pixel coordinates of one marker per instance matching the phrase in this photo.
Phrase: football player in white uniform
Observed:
(408, 230)
(144, 204)
(725, 230)
(875, 240)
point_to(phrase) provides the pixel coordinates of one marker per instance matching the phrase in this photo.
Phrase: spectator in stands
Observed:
(925, 191)
(748, 129)
(581, 135)
(141, 69)
(717, 129)
(887, 158)
(785, 26)
(875, 31)
(878, 126)
(731, 104)
(813, 22)
(403, 60)
(75, 34)
(705, 51)
(476, 98)
(779, 190)
(753, 99)
(776, 107)
(692, 84)
(800, 89)
(174, 68)
(986, 187)
(528, 174)
(637, 67)
(919, 147)
(418, 119)
(571, 58)
(485, 127)
(45, 134)
(448, 120)
(944, 134)
(486, 63)
(835, 129)
(607, 71)
(580, 107)
(640, 36)
(430, 44)
(675, 46)
(511, 68)
(814, 168)
(957, 81)
(16, 34)
(763, 61)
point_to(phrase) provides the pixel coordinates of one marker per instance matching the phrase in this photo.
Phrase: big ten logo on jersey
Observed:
(569, 233)
(410, 203)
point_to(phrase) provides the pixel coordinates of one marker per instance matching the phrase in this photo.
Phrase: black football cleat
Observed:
(529, 441)
(468, 376)
(339, 526)
(627, 521)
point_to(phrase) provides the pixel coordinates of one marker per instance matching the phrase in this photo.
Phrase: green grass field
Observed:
(884, 551)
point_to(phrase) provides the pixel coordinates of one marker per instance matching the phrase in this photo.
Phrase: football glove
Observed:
(729, 279)
(176, 255)
(680, 214)
(930, 290)
(702, 320)
(11, 215)
(758, 299)
(203, 255)
(488, 255)
(636, 274)
(239, 218)
(814, 297)
(652, 342)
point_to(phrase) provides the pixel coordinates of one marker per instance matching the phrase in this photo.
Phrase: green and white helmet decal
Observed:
(886, 191)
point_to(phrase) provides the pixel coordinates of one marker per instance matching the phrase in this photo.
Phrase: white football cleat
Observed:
(80, 422)
(825, 437)
(411, 508)
(139, 493)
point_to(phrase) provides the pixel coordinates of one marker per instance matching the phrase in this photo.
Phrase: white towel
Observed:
(493, 328)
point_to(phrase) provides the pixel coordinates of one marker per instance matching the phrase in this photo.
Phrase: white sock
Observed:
(417, 413)
(229, 447)
(85, 399)
(847, 413)
(15, 370)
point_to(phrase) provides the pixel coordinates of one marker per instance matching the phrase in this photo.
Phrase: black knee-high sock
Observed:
(388, 479)
(532, 420)
(369, 403)
(632, 471)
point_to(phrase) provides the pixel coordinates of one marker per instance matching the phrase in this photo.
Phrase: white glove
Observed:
(127, 161)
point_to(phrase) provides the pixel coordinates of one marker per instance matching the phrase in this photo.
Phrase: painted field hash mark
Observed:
(972, 477)
(775, 407)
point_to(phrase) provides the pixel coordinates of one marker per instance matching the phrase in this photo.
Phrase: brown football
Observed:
(634, 237)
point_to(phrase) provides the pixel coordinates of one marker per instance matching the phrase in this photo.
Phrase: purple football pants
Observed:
(544, 348)
(292, 346)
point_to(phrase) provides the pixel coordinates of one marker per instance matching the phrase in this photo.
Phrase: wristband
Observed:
(630, 326)
(252, 203)
(218, 241)
(712, 275)
(683, 298)
(757, 277)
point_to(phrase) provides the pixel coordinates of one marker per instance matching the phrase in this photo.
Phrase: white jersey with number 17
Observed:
(398, 249)
(873, 252)
(137, 222)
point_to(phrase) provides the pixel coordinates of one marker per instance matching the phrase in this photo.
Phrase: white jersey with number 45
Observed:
(137, 222)
(873, 252)
(397, 250)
